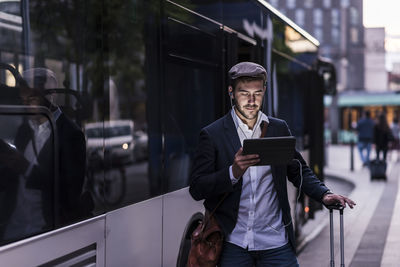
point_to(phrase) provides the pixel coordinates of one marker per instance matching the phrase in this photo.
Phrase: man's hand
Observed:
(242, 162)
(331, 199)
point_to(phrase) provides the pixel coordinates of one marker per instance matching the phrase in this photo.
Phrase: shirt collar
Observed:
(57, 113)
(239, 123)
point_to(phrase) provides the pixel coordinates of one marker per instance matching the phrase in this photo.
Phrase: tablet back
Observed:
(272, 150)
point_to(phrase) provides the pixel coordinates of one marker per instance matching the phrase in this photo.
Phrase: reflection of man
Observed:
(255, 216)
(33, 159)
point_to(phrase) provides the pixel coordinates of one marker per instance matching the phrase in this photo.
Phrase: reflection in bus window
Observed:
(31, 169)
(27, 167)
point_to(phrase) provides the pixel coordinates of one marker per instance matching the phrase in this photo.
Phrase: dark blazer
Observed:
(71, 169)
(210, 178)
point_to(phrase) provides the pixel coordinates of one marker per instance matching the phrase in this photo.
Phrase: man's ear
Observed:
(230, 92)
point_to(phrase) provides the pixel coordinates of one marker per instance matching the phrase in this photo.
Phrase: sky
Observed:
(384, 13)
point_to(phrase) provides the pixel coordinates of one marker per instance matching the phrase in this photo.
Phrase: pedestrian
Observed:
(365, 130)
(255, 216)
(382, 137)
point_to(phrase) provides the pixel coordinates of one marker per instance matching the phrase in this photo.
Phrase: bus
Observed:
(72, 195)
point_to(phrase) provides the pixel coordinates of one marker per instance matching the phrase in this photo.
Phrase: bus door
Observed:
(191, 100)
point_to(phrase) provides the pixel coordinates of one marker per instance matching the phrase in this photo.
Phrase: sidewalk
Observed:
(364, 225)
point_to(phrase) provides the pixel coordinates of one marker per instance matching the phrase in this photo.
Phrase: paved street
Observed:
(371, 229)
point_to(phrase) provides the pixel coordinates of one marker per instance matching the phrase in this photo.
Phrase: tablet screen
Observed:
(272, 150)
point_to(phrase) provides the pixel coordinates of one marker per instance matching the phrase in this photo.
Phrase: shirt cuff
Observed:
(233, 179)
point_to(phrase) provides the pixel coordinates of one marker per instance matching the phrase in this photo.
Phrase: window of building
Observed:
(354, 16)
(275, 3)
(308, 3)
(335, 17)
(327, 3)
(318, 19)
(299, 17)
(344, 3)
(291, 3)
(335, 35)
(319, 34)
(354, 36)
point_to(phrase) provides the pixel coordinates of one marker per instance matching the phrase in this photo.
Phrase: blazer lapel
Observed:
(270, 131)
(231, 133)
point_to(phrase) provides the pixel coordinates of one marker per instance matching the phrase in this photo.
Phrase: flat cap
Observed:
(247, 69)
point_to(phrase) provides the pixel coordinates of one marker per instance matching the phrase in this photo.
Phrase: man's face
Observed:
(31, 97)
(248, 97)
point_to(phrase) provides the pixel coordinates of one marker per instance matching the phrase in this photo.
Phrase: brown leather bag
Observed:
(207, 239)
(206, 243)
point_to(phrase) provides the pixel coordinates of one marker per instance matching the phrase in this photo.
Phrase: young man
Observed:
(255, 216)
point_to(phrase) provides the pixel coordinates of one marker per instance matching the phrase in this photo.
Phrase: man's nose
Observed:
(252, 98)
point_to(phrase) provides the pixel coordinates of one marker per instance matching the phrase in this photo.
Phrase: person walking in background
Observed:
(365, 130)
(382, 136)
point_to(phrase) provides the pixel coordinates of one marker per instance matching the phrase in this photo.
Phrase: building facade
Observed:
(376, 78)
(338, 25)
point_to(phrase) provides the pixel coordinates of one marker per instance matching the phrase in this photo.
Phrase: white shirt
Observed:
(259, 224)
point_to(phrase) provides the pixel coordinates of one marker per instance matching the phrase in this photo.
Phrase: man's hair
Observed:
(368, 114)
(234, 82)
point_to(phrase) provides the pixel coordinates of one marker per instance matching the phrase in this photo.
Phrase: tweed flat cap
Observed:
(247, 69)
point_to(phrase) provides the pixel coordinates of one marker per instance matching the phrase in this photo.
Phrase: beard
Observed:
(242, 111)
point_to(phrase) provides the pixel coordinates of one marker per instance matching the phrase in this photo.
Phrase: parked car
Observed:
(118, 141)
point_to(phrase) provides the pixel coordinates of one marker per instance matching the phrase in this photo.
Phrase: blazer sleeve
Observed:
(207, 179)
(309, 183)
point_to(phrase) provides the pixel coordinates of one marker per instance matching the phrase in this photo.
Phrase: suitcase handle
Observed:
(339, 207)
(336, 206)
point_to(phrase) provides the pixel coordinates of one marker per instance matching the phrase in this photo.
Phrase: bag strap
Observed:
(264, 127)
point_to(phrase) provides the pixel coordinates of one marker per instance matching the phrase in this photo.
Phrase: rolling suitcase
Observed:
(340, 208)
(377, 169)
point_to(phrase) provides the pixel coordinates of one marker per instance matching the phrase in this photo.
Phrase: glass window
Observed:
(308, 3)
(318, 32)
(335, 17)
(56, 68)
(274, 3)
(318, 19)
(327, 3)
(354, 16)
(299, 17)
(107, 99)
(132, 126)
(344, 3)
(354, 36)
(335, 35)
(191, 82)
(291, 4)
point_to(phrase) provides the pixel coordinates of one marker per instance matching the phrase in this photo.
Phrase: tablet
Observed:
(272, 150)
